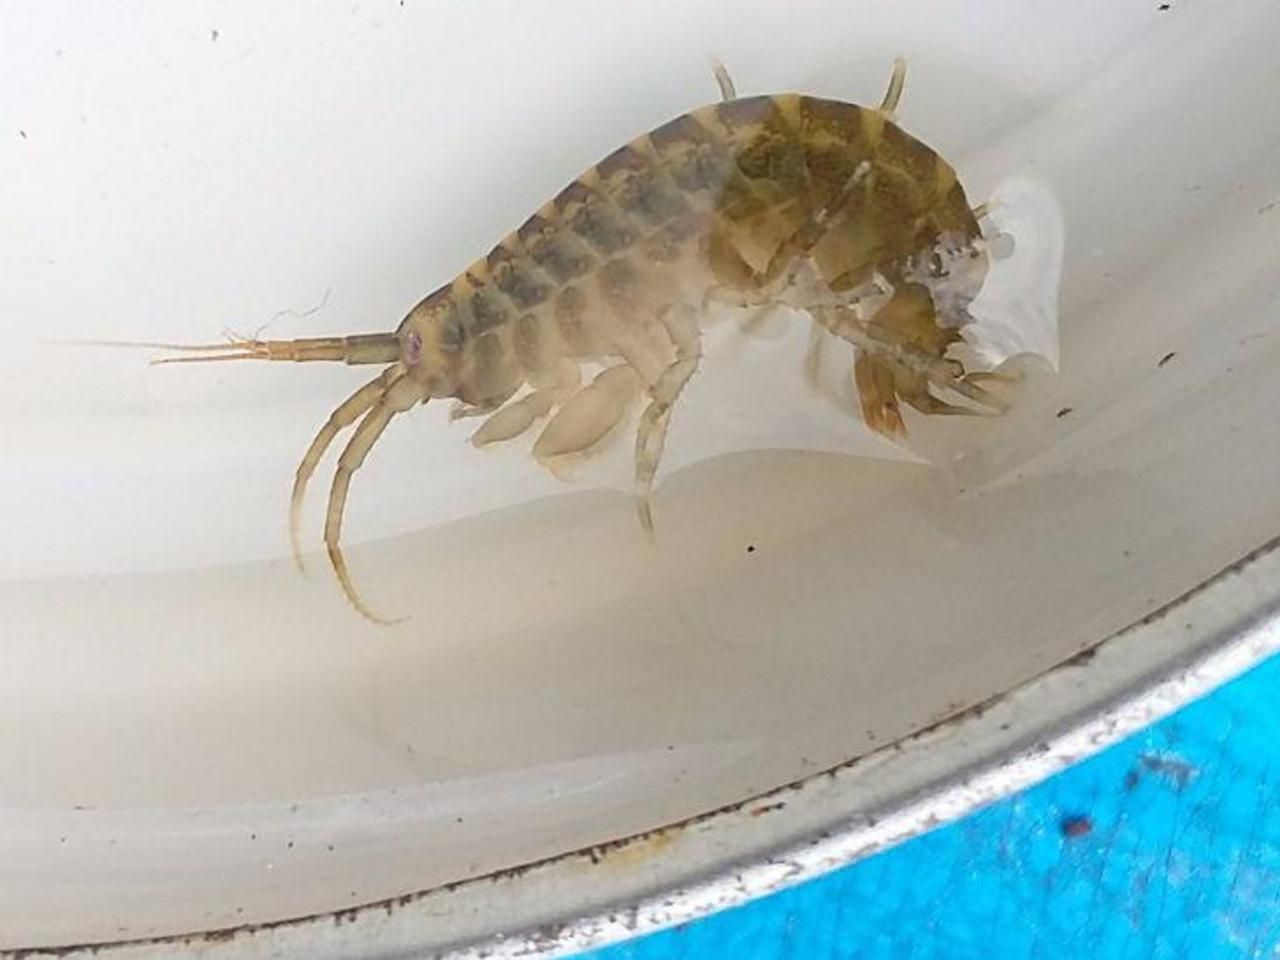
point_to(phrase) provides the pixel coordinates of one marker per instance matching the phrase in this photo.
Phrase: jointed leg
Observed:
(400, 395)
(887, 370)
(891, 96)
(723, 81)
(354, 407)
(652, 435)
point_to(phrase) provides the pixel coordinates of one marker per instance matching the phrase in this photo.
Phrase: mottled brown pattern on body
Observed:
(489, 308)
(670, 242)
(747, 114)
(602, 226)
(759, 198)
(775, 157)
(684, 131)
(698, 163)
(954, 213)
(743, 183)
(899, 151)
(651, 197)
(561, 255)
(570, 310)
(533, 228)
(831, 135)
(833, 119)
(530, 344)
(618, 280)
(571, 197)
(523, 284)
(493, 373)
(626, 159)
(437, 299)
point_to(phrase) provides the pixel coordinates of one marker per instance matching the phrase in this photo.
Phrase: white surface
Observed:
(802, 830)
(559, 677)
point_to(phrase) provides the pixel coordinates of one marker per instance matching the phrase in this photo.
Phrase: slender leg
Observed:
(400, 395)
(354, 407)
(889, 105)
(723, 81)
(942, 373)
(652, 435)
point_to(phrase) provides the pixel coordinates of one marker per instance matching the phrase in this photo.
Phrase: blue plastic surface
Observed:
(1165, 846)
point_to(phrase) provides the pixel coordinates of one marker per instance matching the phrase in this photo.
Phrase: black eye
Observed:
(936, 266)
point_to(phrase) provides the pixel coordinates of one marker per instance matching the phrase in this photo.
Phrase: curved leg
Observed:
(889, 105)
(351, 409)
(723, 81)
(399, 396)
(652, 436)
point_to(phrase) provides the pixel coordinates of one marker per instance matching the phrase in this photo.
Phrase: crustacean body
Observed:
(597, 302)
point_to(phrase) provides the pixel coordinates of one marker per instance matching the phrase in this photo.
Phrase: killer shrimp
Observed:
(789, 200)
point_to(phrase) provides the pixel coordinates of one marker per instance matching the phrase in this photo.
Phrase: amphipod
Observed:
(815, 204)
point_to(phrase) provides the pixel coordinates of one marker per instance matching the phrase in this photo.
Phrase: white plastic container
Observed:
(202, 752)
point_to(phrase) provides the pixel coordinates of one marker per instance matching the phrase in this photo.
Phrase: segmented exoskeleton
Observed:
(814, 204)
